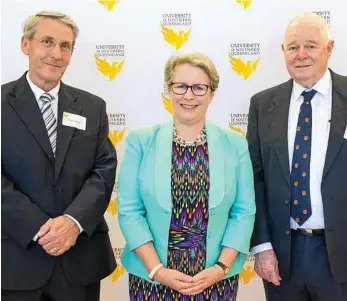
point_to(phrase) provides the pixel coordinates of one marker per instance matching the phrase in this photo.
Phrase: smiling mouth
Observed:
(55, 66)
(303, 66)
(188, 106)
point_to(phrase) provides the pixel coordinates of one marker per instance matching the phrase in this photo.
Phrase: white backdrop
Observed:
(120, 56)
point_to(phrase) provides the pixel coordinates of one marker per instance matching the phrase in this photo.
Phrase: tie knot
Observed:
(46, 97)
(308, 95)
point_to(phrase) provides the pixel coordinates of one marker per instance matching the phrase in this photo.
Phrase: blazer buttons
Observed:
(286, 202)
(287, 232)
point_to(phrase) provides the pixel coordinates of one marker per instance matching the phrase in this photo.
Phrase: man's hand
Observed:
(204, 279)
(58, 235)
(266, 266)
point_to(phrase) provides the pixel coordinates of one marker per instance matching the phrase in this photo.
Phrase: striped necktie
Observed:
(49, 118)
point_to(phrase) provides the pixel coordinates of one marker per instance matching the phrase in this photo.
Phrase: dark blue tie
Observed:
(300, 209)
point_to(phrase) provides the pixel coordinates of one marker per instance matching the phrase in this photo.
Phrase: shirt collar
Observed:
(322, 86)
(38, 91)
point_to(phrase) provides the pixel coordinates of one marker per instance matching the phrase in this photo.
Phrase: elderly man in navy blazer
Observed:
(298, 143)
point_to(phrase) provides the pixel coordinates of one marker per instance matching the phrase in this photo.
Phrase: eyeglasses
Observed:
(50, 43)
(197, 89)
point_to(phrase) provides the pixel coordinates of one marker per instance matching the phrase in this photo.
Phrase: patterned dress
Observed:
(188, 227)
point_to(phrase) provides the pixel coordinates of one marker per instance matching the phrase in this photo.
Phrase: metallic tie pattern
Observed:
(49, 118)
(300, 209)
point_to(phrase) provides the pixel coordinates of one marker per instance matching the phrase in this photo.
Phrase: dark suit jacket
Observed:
(36, 187)
(267, 138)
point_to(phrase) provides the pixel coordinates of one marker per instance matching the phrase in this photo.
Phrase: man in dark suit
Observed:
(298, 143)
(58, 172)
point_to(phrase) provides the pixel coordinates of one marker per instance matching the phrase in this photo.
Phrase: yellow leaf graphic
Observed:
(66, 115)
(241, 68)
(119, 271)
(175, 38)
(237, 129)
(247, 274)
(112, 207)
(110, 70)
(109, 4)
(245, 3)
(116, 136)
(167, 103)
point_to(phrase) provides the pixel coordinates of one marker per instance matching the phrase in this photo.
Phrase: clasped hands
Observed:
(188, 285)
(58, 235)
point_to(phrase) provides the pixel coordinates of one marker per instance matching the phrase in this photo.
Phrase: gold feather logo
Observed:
(247, 274)
(109, 4)
(107, 69)
(237, 129)
(241, 68)
(245, 3)
(119, 271)
(175, 38)
(112, 207)
(167, 103)
(116, 136)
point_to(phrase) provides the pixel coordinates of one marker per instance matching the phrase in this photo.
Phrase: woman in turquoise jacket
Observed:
(185, 196)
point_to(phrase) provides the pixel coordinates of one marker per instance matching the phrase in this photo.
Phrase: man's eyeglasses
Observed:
(49, 43)
(197, 89)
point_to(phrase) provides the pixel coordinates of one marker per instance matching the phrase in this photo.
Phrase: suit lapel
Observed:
(338, 120)
(67, 102)
(163, 158)
(278, 126)
(25, 105)
(216, 166)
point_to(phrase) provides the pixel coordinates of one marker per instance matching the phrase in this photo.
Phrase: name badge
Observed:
(75, 121)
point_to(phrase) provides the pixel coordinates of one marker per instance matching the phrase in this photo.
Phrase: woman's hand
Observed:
(204, 279)
(175, 280)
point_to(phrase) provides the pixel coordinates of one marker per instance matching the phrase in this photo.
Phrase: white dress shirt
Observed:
(54, 103)
(321, 117)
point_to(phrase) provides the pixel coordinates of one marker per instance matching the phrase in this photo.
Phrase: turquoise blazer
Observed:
(144, 195)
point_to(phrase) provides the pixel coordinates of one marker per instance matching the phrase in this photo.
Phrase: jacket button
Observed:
(287, 232)
(286, 202)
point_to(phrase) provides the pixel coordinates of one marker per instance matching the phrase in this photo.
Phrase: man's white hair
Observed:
(315, 19)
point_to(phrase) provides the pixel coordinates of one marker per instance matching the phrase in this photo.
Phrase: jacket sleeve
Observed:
(261, 227)
(90, 204)
(131, 210)
(21, 219)
(242, 212)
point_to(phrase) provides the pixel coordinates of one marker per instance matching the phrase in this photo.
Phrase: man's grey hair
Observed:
(29, 26)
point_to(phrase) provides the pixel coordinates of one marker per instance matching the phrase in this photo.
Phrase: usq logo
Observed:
(109, 4)
(112, 207)
(165, 99)
(245, 3)
(116, 136)
(120, 270)
(117, 119)
(248, 273)
(238, 122)
(176, 29)
(239, 58)
(324, 14)
(109, 60)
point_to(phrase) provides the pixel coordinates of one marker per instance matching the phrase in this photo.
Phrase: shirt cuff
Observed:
(262, 247)
(76, 222)
(36, 236)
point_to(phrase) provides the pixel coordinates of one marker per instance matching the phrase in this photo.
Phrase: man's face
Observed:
(49, 51)
(306, 53)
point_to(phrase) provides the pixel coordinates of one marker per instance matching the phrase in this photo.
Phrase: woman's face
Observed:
(190, 103)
